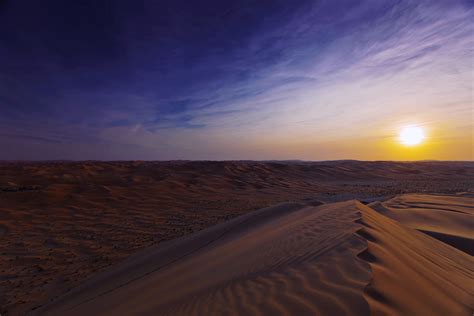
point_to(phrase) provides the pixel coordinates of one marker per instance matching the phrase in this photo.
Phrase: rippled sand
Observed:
(335, 259)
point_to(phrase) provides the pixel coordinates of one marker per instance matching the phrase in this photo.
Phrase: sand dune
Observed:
(335, 259)
(300, 263)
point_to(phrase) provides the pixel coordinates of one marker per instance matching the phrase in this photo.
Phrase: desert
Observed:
(238, 157)
(235, 237)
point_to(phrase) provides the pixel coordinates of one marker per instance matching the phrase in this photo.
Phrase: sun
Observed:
(411, 135)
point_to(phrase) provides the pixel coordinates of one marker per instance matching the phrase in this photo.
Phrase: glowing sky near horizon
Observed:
(311, 80)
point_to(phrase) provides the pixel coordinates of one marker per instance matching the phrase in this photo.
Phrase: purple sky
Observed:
(217, 80)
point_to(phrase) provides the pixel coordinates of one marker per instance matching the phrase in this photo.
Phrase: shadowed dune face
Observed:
(447, 218)
(62, 221)
(412, 273)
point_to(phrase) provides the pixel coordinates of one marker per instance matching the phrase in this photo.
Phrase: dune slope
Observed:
(301, 263)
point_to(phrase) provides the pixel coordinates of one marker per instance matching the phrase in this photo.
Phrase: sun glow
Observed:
(411, 135)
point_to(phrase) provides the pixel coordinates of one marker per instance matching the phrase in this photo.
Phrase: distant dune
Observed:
(64, 223)
(336, 259)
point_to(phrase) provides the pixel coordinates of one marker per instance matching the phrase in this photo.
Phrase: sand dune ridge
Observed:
(334, 259)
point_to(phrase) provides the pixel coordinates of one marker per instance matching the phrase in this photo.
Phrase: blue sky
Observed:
(216, 80)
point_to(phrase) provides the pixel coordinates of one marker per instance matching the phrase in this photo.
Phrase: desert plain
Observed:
(236, 238)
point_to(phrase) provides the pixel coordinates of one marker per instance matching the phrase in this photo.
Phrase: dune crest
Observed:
(301, 263)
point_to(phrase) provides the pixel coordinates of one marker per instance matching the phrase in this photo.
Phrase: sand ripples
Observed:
(335, 259)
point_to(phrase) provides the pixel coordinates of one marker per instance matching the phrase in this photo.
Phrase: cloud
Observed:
(420, 61)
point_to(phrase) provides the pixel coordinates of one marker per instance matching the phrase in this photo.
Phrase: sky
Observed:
(224, 80)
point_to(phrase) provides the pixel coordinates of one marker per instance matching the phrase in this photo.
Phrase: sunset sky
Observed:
(310, 80)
